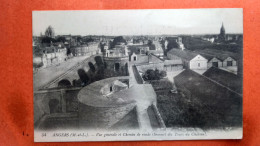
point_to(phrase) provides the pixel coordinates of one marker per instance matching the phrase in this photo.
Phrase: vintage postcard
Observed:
(131, 75)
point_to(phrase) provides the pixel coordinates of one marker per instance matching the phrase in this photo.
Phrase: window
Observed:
(198, 64)
(111, 88)
(229, 63)
(134, 58)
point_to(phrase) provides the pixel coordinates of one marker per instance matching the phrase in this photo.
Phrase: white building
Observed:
(133, 57)
(198, 63)
(190, 59)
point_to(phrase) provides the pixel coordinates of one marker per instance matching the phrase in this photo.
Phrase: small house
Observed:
(133, 57)
(229, 61)
(214, 62)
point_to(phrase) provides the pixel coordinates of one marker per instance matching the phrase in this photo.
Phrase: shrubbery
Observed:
(151, 74)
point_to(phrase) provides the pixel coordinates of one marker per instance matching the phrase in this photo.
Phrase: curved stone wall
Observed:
(92, 117)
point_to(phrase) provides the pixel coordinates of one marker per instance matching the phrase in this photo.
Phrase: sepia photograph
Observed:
(134, 75)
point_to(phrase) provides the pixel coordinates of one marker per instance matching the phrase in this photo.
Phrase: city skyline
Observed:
(146, 22)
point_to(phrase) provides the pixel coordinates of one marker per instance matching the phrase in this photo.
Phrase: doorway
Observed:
(229, 63)
(215, 64)
(117, 66)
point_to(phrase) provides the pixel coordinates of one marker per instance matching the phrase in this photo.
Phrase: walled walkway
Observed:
(132, 76)
(142, 104)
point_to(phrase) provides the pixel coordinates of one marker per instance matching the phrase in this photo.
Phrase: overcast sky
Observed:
(139, 22)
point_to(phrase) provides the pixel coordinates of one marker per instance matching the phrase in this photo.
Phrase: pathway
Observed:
(142, 105)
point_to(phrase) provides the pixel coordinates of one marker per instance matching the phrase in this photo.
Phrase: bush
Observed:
(151, 74)
(37, 65)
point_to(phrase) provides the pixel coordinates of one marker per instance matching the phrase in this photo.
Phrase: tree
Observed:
(149, 42)
(100, 74)
(99, 61)
(61, 39)
(49, 32)
(83, 77)
(47, 40)
(163, 74)
(118, 40)
(151, 74)
(91, 66)
(157, 74)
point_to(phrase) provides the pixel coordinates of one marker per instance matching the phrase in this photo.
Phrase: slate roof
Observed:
(225, 78)
(219, 105)
(170, 62)
(155, 51)
(206, 90)
(154, 59)
(183, 54)
(188, 55)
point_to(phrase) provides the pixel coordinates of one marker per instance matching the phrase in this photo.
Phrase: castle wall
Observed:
(102, 117)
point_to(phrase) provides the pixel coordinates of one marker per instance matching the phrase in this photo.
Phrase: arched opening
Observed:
(64, 83)
(54, 106)
(117, 66)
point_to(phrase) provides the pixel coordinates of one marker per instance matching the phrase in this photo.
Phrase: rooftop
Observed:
(170, 62)
(184, 54)
(205, 89)
(225, 78)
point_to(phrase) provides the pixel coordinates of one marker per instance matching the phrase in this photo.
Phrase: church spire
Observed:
(222, 35)
(222, 30)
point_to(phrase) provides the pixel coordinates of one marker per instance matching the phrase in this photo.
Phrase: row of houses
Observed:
(87, 49)
(195, 61)
(53, 55)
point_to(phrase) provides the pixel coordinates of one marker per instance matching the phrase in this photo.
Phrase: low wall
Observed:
(145, 67)
(67, 101)
(155, 117)
(138, 77)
